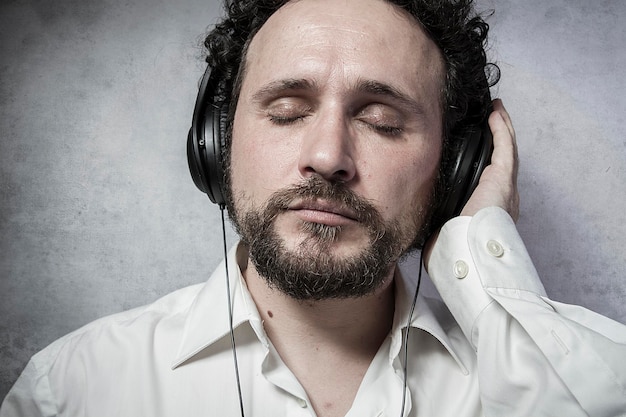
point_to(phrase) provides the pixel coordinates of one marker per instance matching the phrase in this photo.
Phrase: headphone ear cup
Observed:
(205, 140)
(216, 123)
(471, 159)
(195, 164)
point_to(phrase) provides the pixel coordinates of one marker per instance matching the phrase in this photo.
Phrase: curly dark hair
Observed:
(453, 25)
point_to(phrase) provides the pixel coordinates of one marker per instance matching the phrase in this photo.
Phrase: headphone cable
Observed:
(232, 331)
(406, 334)
(230, 314)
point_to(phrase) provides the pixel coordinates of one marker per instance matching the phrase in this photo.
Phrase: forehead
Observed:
(345, 39)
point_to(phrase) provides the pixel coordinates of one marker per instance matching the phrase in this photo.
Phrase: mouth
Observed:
(323, 212)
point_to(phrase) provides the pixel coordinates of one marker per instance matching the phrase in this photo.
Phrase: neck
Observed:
(354, 324)
(328, 344)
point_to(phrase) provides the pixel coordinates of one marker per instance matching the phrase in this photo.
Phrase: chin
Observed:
(337, 241)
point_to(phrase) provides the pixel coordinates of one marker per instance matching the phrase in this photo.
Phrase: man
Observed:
(339, 114)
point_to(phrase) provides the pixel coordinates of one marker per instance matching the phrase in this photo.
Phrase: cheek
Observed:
(243, 154)
(258, 167)
(410, 188)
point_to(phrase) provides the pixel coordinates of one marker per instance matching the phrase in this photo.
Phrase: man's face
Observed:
(336, 143)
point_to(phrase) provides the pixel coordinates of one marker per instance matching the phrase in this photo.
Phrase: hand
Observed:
(498, 183)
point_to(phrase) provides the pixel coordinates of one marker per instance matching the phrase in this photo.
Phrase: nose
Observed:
(327, 150)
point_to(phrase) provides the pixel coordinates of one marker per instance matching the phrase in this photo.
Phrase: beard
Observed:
(313, 271)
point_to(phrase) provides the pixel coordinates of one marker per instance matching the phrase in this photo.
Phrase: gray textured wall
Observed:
(98, 213)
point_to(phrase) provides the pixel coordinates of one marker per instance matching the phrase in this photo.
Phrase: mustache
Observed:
(314, 188)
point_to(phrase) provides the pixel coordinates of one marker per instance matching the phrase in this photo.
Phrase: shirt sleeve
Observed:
(30, 396)
(535, 356)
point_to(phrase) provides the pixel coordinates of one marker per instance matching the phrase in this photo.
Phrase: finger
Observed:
(505, 157)
(505, 149)
(498, 106)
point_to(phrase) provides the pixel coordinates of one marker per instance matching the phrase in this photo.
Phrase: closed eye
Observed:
(382, 119)
(287, 110)
(387, 130)
(285, 120)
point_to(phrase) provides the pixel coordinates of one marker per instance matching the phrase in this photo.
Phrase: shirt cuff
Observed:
(474, 256)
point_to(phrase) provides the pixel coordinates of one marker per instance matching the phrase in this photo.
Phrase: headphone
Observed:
(206, 140)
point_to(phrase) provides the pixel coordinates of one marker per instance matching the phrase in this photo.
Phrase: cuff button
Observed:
(461, 269)
(495, 248)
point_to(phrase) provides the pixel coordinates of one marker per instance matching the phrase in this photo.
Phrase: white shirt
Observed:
(510, 352)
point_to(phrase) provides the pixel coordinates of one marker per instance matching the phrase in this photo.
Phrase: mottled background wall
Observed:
(98, 213)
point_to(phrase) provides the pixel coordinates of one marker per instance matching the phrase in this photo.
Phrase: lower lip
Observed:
(323, 217)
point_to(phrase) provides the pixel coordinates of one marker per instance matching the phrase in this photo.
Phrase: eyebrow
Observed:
(281, 86)
(380, 89)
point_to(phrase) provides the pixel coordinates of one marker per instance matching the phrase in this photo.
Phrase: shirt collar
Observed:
(430, 315)
(207, 319)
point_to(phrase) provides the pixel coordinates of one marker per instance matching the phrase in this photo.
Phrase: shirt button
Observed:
(461, 269)
(302, 402)
(495, 248)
